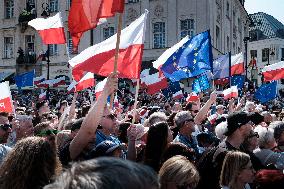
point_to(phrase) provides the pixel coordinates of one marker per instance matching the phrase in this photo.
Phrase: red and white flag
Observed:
(86, 14)
(154, 83)
(100, 87)
(230, 92)
(237, 64)
(273, 71)
(178, 95)
(52, 82)
(50, 29)
(42, 96)
(38, 80)
(99, 58)
(212, 118)
(193, 97)
(5, 98)
(86, 82)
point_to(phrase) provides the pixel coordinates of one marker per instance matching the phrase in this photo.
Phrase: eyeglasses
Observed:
(48, 132)
(110, 116)
(5, 127)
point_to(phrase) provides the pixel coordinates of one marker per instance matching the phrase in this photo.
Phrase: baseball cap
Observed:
(105, 148)
(236, 120)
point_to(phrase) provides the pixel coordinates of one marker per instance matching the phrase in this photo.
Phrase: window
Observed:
(133, 1)
(265, 54)
(69, 43)
(108, 32)
(187, 28)
(234, 47)
(30, 44)
(8, 47)
(53, 50)
(282, 54)
(218, 38)
(30, 6)
(9, 8)
(239, 49)
(228, 9)
(159, 33)
(253, 54)
(53, 5)
(68, 4)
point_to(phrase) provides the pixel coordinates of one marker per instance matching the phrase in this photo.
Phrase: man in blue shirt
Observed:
(185, 124)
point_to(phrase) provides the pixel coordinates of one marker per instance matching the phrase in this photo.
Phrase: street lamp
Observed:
(246, 39)
(46, 13)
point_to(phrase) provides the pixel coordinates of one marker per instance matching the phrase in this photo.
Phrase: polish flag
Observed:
(143, 75)
(99, 58)
(50, 29)
(52, 82)
(273, 71)
(87, 14)
(178, 95)
(237, 64)
(86, 82)
(71, 87)
(5, 98)
(38, 80)
(100, 87)
(42, 96)
(212, 118)
(193, 97)
(154, 83)
(230, 92)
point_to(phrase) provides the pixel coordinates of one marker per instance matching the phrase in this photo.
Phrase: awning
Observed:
(4, 75)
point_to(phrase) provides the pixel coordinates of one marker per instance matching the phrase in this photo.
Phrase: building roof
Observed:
(269, 26)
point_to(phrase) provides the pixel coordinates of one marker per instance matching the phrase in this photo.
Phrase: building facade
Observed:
(266, 45)
(168, 22)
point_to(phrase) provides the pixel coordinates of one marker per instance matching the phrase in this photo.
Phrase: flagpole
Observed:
(119, 26)
(136, 101)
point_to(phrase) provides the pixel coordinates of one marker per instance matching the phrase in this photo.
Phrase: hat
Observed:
(236, 120)
(141, 130)
(220, 107)
(104, 148)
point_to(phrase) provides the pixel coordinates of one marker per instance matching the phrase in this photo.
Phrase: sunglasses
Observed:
(110, 116)
(194, 111)
(5, 127)
(254, 135)
(48, 132)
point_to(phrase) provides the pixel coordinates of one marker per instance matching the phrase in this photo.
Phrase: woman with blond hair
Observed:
(237, 171)
(32, 163)
(178, 173)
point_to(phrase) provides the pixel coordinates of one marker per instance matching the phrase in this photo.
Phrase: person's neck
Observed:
(235, 141)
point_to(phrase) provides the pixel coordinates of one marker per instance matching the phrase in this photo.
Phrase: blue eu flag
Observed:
(266, 92)
(173, 88)
(26, 79)
(238, 80)
(200, 84)
(193, 58)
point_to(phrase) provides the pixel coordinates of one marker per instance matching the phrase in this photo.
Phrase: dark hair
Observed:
(4, 114)
(278, 130)
(106, 173)
(31, 164)
(85, 110)
(40, 104)
(157, 141)
(123, 131)
(174, 149)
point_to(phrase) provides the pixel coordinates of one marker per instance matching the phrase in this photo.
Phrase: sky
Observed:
(274, 8)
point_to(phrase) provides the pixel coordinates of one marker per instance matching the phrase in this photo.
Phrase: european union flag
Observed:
(26, 79)
(192, 58)
(266, 92)
(200, 84)
(238, 80)
(221, 67)
(173, 88)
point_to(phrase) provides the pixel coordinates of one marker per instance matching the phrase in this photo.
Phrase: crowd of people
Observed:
(77, 141)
